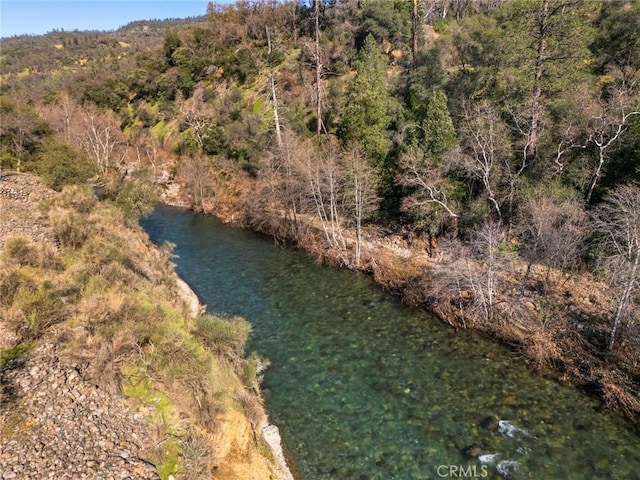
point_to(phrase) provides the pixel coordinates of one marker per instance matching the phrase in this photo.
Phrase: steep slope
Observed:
(105, 373)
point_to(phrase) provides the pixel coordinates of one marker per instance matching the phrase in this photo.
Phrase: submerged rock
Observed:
(474, 451)
(507, 469)
(490, 423)
(510, 430)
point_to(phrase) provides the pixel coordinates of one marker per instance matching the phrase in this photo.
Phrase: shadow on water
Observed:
(364, 388)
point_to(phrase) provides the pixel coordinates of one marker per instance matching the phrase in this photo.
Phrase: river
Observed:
(363, 387)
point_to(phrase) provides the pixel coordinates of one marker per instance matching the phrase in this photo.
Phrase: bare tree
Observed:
(485, 143)
(476, 273)
(147, 150)
(62, 115)
(486, 246)
(274, 98)
(197, 174)
(100, 138)
(570, 140)
(614, 111)
(360, 192)
(281, 188)
(416, 24)
(324, 178)
(618, 222)
(429, 180)
(319, 67)
(552, 232)
(195, 115)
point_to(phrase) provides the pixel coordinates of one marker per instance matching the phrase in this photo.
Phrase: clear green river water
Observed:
(364, 388)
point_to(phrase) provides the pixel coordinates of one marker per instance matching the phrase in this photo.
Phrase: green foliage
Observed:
(625, 162)
(239, 65)
(171, 43)
(187, 142)
(59, 164)
(135, 196)
(106, 92)
(15, 352)
(617, 43)
(22, 133)
(389, 20)
(522, 58)
(213, 139)
(251, 372)
(435, 133)
(365, 116)
(160, 131)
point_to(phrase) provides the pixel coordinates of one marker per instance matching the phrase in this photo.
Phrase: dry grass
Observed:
(617, 395)
(541, 348)
(393, 272)
(253, 408)
(24, 252)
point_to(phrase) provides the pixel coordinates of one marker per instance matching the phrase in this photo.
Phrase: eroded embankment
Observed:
(105, 371)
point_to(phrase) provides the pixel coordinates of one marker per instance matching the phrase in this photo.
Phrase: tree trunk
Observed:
(319, 125)
(274, 98)
(536, 99)
(624, 299)
(414, 31)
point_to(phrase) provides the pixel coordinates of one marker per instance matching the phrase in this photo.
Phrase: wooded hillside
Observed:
(499, 138)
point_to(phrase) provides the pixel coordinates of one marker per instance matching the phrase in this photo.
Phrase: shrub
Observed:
(79, 198)
(20, 250)
(70, 229)
(41, 309)
(12, 353)
(11, 282)
(135, 197)
(252, 372)
(222, 336)
(178, 357)
(61, 165)
(25, 253)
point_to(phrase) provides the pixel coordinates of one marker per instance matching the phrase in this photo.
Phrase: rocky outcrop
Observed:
(273, 439)
(190, 298)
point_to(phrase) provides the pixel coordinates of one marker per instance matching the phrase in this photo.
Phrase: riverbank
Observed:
(93, 315)
(365, 387)
(558, 323)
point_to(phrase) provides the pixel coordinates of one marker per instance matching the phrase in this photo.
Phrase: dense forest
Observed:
(495, 141)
